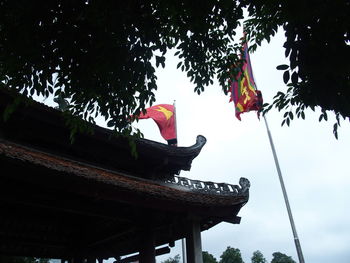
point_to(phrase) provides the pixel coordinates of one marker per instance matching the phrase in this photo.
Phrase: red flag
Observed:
(243, 88)
(164, 116)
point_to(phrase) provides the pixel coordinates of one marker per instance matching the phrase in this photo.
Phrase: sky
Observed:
(314, 165)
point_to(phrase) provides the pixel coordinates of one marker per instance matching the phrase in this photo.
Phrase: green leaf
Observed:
(335, 130)
(111, 123)
(295, 78)
(282, 67)
(291, 115)
(286, 77)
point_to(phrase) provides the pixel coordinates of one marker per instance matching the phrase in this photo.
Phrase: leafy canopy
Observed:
(101, 55)
(317, 45)
(208, 258)
(231, 255)
(258, 257)
(175, 259)
(11, 259)
(279, 257)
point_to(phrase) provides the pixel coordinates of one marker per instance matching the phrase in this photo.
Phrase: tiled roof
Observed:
(92, 197)
(156, 188)
(41, 127)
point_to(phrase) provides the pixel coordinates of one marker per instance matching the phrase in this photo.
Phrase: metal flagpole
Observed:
(183, 241)
(175, 120)
(296, 239)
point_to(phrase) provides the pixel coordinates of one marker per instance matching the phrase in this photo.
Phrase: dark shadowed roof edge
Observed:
(205, 195)
(43, 128)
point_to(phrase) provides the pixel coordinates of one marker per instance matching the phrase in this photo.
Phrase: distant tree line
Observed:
(230, 255)
(233, 255)
(11, 259)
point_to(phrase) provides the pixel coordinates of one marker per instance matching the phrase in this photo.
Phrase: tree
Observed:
(258, 257)
(175, 259)
(231, 255)
(208, 258)
(101, 56)
(10, 259)
(316, 45)
(279, 257)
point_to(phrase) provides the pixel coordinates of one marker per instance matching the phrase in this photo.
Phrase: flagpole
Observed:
(175, 120)
(296, 239)
(183, 241)
(284, 191)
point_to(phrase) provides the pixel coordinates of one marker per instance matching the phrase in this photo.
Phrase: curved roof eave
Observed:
(41, 127)
(178, 189)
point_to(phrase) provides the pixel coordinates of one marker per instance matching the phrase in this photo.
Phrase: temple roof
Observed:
(92, 197)
(41, 127)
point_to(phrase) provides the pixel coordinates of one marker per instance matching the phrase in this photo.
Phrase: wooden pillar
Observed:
(194, 243)
(147, 248)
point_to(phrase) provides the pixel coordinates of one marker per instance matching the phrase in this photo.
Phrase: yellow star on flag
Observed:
(166, 112)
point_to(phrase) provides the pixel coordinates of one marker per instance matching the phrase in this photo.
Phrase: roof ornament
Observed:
(184, 183)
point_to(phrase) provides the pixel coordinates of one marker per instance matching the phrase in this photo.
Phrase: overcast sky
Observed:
(314, 166)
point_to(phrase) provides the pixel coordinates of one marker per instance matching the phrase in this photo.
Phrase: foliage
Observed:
(175, 259)
(101, 56)
(231, 255)
(258, 257)
(98, 55)
(279, 257)
(10, 259)
(317, 41)
(208, 258)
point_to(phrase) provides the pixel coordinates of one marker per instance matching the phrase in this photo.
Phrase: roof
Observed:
(93, 198)
(178, 189)
(39, 126)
